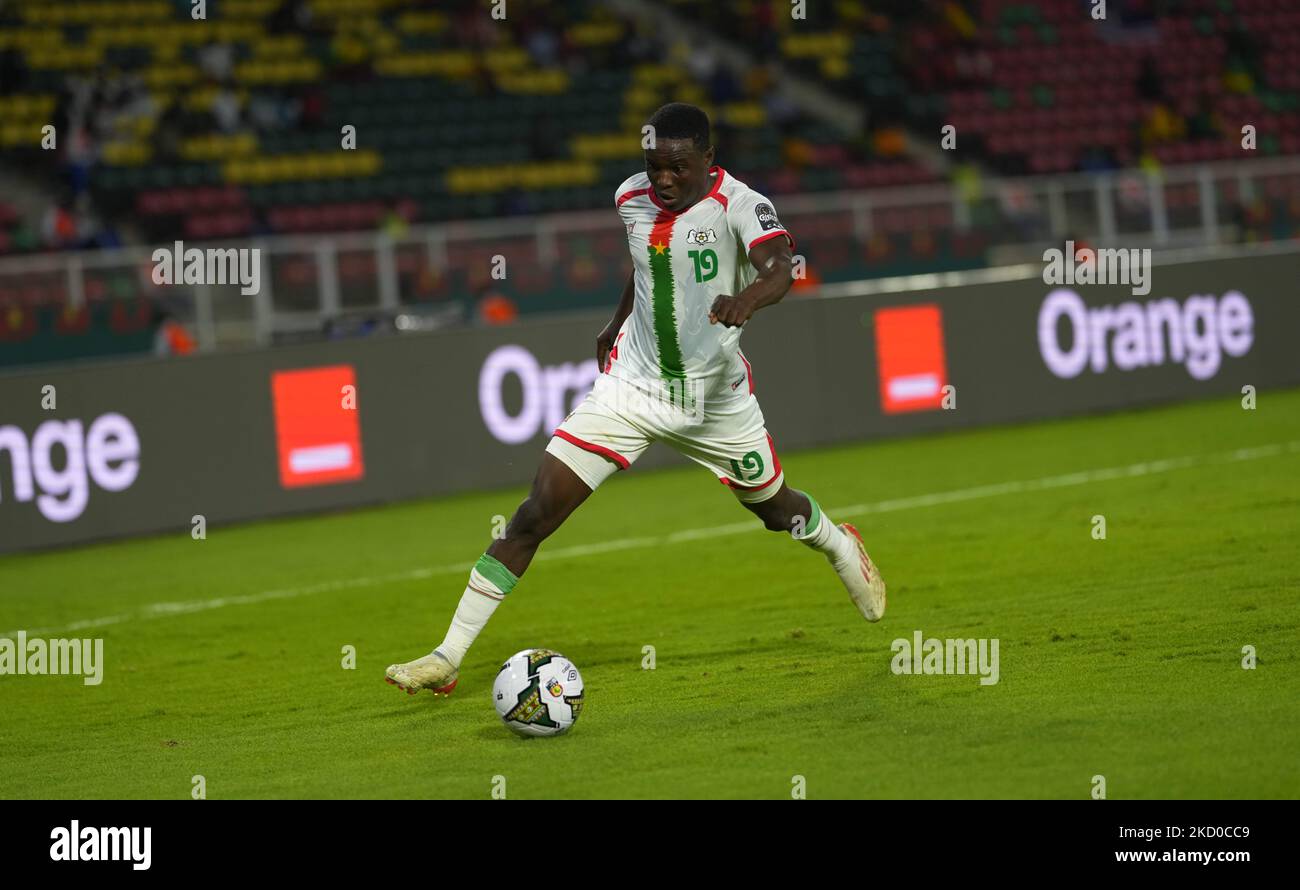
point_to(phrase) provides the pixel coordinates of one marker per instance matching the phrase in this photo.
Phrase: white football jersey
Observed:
(683, 261)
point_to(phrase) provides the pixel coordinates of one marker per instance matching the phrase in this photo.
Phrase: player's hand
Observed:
(604, 343)
(730, 311)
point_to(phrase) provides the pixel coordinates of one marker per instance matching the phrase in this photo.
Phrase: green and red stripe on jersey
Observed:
(661, 297)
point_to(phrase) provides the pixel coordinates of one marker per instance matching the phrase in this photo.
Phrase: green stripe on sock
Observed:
(814, 515)
(495, 572)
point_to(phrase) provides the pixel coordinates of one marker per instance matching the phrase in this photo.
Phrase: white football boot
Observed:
(432, 671)
(862, 578)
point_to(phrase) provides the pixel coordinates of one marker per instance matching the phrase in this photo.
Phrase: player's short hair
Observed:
(679, 120)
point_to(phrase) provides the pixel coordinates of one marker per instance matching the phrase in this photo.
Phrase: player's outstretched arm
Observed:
(605, 339)
(772, 260)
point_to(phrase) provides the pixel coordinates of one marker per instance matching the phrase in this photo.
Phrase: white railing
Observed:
(309, 279)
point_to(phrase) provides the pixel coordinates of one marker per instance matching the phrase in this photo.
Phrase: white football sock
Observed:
(823, 535)
(489, 582)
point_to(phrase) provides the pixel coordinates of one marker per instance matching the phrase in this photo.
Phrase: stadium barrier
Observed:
(137, 447)
(433, 275)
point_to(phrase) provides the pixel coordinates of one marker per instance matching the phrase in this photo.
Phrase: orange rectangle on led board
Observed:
(910, 358)
(317, 426)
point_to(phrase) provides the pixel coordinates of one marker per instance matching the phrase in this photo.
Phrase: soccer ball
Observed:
(538, 692)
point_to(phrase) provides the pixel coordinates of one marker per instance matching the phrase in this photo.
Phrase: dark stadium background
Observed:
(479, 136)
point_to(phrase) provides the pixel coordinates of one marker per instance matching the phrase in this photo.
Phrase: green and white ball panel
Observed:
(538, 692)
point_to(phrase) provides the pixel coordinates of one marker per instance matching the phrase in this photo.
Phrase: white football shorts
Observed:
(619, 419)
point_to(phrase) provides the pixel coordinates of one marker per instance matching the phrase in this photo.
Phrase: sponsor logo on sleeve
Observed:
(767, 217)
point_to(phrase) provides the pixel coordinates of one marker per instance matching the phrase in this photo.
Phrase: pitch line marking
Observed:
(1063, 480)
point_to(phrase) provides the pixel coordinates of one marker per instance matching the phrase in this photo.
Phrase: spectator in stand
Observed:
(701, 61)
(58, 225)
(170, 336)
(543, 45)
(396, 222)
(91, 230)
(1150, 86)
(1080, 243)
(495, 308)
(307, 110)
(1204, 122)
(226, 113)
(1161, 126)
(1242, 64)
(291, 17)
(217, 61)
(724, 88)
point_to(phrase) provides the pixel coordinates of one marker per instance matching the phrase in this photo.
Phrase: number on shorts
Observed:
(751, 461)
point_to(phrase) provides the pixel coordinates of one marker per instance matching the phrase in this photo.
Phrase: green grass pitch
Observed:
(1119, 657)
